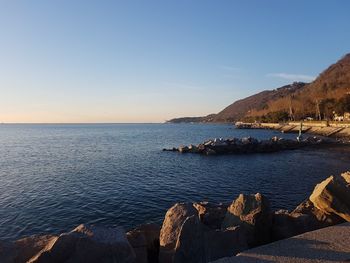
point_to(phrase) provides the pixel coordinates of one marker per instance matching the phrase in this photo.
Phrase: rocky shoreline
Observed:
(191, 232)
(250, 145)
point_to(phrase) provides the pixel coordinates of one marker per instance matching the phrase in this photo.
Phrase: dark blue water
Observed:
(54, 177)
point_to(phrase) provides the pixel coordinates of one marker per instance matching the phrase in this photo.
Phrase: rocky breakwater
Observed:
(191, 232)
(249, 145)
(204, 232)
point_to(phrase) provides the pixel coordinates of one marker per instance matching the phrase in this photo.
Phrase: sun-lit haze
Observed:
(149, 61)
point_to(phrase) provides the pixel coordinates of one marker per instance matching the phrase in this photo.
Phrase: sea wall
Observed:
(190, 232)
(340, 130)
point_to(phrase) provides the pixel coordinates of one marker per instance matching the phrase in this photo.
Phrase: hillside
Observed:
(208, 118)
(328, 93)
(257, 103)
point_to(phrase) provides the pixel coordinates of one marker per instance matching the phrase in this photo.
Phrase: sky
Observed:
(68, 61)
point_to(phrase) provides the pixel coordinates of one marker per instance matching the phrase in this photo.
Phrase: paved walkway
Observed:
(331, 244)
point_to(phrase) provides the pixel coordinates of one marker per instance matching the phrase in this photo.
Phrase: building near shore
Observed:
(344, 117)
(347, 116)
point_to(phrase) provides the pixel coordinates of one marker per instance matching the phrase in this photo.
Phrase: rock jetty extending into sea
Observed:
(192, 232)
(250, 145)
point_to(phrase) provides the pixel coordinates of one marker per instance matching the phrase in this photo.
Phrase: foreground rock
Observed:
(253, 213)
(173, 221)
(197, 243)
(88, 244)
(211, 214)
(23, 249)
(226, 242)
(185, 238)
(190, 244)
(328, 205)
(333, 195)
(306, 217)
(248, 145)
(145, 242)
(191, 232)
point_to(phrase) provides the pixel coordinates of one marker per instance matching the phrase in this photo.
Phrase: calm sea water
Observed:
(54, 177)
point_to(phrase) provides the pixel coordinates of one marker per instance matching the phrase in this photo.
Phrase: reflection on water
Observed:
(54, 177)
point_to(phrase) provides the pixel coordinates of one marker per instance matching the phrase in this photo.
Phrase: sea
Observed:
(54, 177)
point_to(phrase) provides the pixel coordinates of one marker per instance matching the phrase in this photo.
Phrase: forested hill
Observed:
(328, 93)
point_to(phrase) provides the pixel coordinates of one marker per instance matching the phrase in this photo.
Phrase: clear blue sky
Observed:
(148, 61)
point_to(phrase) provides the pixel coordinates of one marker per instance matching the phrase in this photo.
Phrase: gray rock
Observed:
(138, 242)
(225, 243)
(316, 216)
(88, 244)
(211, 214)
(209, 151)
(198, 243)
(208, 143)
(8, 252)
(306, 217)
(145, 241)
(219, 142)
(23, 249)
(253, 213)
(172, 224)
(183, 149)
(333, 195)
(190, 245)
(193, 149)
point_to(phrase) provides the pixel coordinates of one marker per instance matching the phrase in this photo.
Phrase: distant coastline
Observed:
(326, 98)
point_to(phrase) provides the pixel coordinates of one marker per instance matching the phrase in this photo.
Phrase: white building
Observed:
(345, 117)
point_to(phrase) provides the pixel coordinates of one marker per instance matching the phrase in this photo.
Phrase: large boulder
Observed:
(316, 217)
(183, 149)
(253, 213)
(172, 224)
(198, 243)
(190, 245)
(138, 242)
(30, 246)
(225, 243)
(88, 244)
(284, 225)
(211, 214)
(23, 249)
(306, 217)
(333, 195)
(145, 241)
(188, 234)
(193, 149)
(8, 252)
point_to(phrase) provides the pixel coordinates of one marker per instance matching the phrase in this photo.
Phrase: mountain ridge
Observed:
(329, 92)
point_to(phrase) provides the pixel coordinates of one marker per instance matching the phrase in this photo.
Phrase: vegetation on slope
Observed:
(328, 94)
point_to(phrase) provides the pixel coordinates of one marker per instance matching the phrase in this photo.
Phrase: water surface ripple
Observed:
(54, 177)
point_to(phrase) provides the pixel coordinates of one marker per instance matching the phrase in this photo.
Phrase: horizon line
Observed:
(5, 123)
